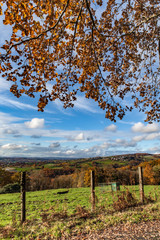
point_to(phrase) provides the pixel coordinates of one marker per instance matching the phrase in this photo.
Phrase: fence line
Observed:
(93, 197)
(141, 187)
(23, 197)
(93, 190)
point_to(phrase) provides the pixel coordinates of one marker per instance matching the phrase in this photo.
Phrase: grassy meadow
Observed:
(51, 215)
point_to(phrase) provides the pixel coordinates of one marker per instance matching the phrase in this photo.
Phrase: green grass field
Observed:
(48, 207)
(10, 204)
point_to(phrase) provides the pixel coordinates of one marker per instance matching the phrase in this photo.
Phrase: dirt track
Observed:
(140, 231)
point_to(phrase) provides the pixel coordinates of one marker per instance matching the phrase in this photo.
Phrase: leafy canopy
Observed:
(108, 49)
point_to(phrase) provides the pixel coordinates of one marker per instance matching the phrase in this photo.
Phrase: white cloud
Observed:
(149, 128)
(120, 141)
(11, 146)
(137, 127)
(111, 128)
(117, 144)
(83, 103)
(5, 85)
(79, 137)
(6, 101)
(138, 138)
(124, 143)
(152, 136)
(55, 145)
(154, 149)
(56, 153)
(125, 122)
(35, 123)
(107, 145)
(10, 131)
(70, 152)
(7, 118)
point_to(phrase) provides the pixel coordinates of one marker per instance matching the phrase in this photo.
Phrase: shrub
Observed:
(124, 201)
(10, 188)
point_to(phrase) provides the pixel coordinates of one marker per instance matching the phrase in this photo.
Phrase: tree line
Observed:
(70, 177)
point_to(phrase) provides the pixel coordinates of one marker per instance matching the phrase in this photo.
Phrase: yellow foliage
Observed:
(63, 42)
(149, 174)
(87, 178)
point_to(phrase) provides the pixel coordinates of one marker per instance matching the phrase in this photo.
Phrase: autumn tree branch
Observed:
(74, 36)
(38, 36)
(138, 25)
(91, 15)
(98, 66)
(104, 56)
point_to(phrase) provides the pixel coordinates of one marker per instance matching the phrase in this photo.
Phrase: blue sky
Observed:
(82, 131)
(79, 132)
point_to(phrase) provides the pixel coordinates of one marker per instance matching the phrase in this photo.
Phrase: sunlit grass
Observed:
(43, 200)
(50, 214)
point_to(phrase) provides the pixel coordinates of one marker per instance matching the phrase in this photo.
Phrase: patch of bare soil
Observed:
(141, 231)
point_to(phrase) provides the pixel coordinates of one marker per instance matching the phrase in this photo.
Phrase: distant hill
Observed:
(116, 161)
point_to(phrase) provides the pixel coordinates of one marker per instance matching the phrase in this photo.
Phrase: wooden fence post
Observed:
(141, 188)
(93, 189)
(23, 197)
